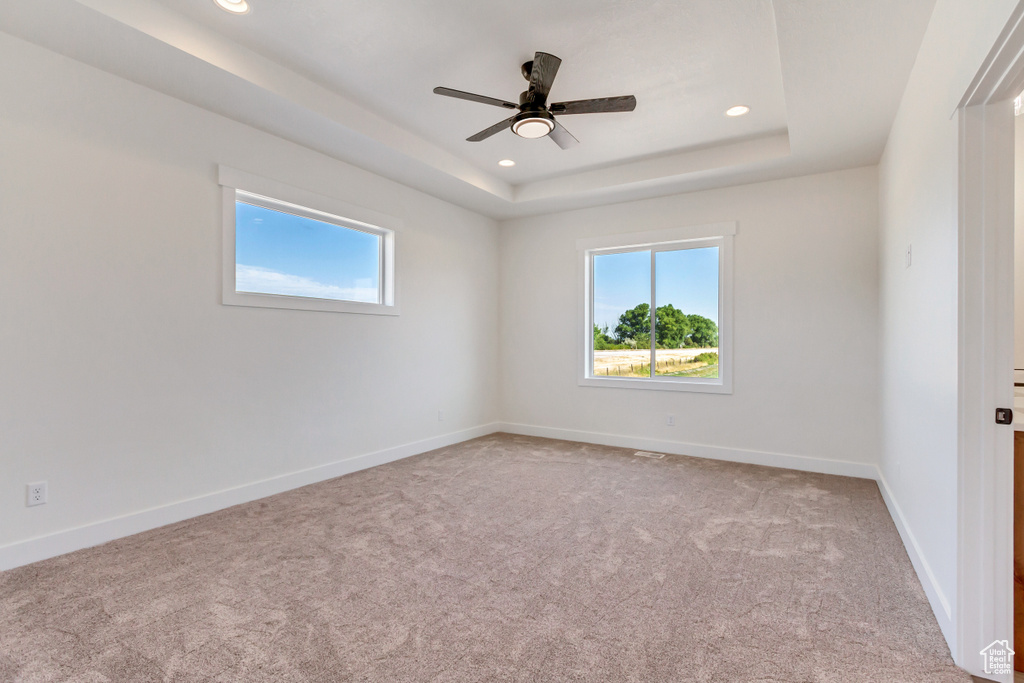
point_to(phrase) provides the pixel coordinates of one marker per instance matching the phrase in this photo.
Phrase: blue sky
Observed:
(686, 278)
(278, 253)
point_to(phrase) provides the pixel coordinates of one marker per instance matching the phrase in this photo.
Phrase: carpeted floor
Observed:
(505, 558)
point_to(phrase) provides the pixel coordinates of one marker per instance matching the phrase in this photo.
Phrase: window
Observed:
(657, 309)
(286, 248)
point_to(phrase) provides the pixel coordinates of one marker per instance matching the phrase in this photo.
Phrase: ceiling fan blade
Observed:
(562, 137)
(545, 67)
(483, 99)
(488, 132)
(595, 106)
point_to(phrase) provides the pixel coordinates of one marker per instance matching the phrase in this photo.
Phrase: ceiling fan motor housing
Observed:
(528, 99)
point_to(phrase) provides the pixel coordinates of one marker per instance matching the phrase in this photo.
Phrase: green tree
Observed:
(633, 323)
(601, 339)
(671, 327)
(705, 331)
(674, 329)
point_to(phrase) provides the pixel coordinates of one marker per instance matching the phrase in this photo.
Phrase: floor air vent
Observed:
(648, 454)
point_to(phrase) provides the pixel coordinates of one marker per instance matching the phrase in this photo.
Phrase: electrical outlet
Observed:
(670, 420)
(36, 494)
(440, 416)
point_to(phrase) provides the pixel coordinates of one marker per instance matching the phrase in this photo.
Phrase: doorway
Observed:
(986, 349)
(1018, 387)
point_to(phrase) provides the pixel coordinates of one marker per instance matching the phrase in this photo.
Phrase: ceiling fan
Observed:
(536, 118)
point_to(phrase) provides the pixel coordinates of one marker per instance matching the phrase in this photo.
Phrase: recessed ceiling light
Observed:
(506, 163)
(233, 6)
(738, 110)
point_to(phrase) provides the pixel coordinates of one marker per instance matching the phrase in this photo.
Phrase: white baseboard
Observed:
(61, 542)
(791, 462)
(936, 596)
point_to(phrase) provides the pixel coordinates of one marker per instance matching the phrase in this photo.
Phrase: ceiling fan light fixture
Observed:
(233, 6)
(533, 127)
(738, 110)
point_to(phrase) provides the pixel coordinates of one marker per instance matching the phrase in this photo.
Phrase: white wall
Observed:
(806, 300)
(125, 383)
(918, 189)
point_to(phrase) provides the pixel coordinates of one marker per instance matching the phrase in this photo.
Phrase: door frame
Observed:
(984, 601)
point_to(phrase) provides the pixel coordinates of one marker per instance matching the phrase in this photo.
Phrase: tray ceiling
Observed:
(823, 81)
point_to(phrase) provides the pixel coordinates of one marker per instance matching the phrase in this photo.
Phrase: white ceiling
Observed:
(686, 63)
(823, 79)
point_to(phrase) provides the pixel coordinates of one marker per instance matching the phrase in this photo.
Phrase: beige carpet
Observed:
(505, 558)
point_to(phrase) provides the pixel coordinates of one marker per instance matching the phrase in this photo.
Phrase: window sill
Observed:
(709, 386)
(299, 303)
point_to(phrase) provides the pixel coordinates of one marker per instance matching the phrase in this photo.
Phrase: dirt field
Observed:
(636, 363)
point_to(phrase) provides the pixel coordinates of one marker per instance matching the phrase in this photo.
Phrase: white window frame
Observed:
(271, 194)
(719, 235)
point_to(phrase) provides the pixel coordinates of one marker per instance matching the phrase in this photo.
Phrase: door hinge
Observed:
(1004, 416)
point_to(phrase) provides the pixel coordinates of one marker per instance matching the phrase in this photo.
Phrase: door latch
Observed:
(1004, 416)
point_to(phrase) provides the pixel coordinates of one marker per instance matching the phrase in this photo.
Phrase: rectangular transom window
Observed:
(657, 310)
(289, 255)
